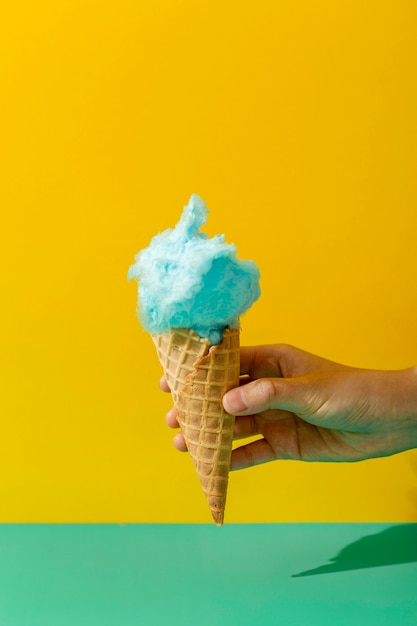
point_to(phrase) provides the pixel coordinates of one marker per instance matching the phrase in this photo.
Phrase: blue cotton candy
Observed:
(188, 280)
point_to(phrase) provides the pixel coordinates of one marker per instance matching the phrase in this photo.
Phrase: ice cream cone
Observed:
(199, 375)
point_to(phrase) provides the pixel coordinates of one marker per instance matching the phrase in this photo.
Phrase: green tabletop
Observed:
(237, 575)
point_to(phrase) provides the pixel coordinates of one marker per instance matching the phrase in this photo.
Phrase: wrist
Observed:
(407, 402)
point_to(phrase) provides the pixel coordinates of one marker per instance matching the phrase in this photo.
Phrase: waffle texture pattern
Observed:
(199, 375)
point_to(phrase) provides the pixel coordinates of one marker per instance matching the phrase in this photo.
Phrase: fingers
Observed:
(266, 393)
(254, 453)
(247, 358)
(254, 397)
(260, 361)
(164, 385)
(245, 426)
(171, 418)
(179, 442)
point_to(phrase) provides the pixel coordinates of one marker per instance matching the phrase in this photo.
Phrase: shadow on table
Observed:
(392, 546)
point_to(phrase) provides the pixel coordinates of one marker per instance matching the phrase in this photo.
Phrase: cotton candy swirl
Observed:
(189, 280)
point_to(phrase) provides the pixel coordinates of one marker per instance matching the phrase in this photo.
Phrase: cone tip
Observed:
(218, 517)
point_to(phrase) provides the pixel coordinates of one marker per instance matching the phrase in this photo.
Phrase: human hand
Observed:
(308, 408)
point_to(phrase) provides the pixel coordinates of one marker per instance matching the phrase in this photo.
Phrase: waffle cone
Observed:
(199, 375)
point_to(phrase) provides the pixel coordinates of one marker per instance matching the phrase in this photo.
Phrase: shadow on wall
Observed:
(391, 546)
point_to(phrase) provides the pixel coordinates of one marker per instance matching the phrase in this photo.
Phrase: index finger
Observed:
(260, 361)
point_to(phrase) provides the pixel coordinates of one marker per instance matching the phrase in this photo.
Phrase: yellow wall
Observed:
(296, 122)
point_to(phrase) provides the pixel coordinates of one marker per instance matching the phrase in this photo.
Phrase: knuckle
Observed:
(265, 391)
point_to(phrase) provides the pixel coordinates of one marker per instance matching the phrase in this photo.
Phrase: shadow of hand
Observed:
(391, 546)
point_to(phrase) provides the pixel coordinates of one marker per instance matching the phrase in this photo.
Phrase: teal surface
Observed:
(237, 575)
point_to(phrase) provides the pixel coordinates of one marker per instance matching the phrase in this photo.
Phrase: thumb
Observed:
(265, 393)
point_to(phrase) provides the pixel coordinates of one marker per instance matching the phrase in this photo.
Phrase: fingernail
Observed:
(234, 402)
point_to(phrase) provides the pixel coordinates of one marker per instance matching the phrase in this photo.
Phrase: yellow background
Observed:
(296, 122)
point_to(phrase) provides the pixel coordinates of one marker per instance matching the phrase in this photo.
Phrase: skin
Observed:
(304, 407)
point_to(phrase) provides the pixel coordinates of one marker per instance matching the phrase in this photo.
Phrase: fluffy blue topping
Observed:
(188, 280)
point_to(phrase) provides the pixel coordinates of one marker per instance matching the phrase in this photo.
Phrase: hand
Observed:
(308, 408)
